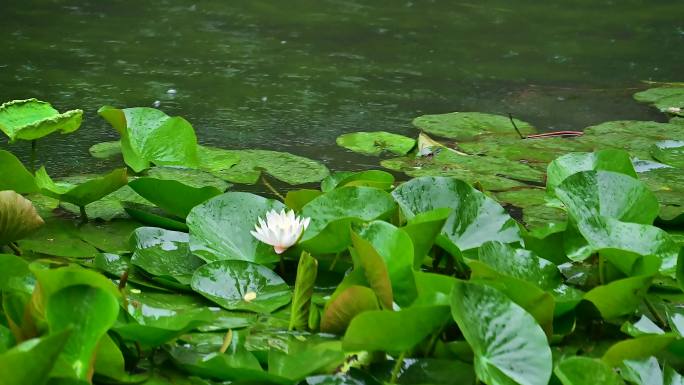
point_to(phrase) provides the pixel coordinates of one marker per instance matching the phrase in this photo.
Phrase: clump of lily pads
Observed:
(503, 257)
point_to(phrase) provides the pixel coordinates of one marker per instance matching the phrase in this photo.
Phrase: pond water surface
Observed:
(294, 75)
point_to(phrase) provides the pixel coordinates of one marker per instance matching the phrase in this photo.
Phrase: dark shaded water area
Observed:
(292, 76)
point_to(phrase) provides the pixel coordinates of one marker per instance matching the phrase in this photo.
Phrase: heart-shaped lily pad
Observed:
(375, 143)
(220, 228)
(32, 119)
(150, 136)
(241, 285)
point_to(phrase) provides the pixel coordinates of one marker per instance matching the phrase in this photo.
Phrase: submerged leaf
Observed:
(470, 125)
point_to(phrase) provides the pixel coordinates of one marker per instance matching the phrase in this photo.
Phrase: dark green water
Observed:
(294, 75)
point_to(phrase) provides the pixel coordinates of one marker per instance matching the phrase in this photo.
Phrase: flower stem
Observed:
(270, 187)
(397, 368)
(33, 155)
(15, 248)
(84, 215)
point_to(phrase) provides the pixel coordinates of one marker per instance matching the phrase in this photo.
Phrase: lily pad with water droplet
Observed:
(227, 283)
(636, 137)
(32, 119)
(666, 99)
(376, 142)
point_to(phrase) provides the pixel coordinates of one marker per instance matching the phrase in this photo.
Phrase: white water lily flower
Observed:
(280, 230)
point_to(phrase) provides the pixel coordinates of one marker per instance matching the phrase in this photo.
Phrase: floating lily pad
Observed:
(32, 119)
(533, 202)
(667, 183)
(220, 228)
(19, 217)
(332, 213)
(508, 345)
(241, 285)
(14, 176)
(172, 196)
(375, 143)
(467, 126)
(105, 150)
(666, 99)
(532, 151)
(371, 178)
(636, 137)
(84, 193)
(164, 253)
(286, 167)
(59, 238)
(110, 237)
(491, 173)
(669, 152)
(475, 219)
(111, 206)
(150, 136)
(191, 177)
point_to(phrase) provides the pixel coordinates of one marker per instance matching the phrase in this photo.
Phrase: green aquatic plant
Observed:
(32, 119)
(490, 265)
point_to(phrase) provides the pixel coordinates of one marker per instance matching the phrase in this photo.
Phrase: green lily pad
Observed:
(666, 99)
(15, 274)
(636, 137)
(612, 213)
(637, 348)
(467, 126)
(367, 259)
(30, 362)
(395, 250)
(423, 230)
(475, 219)
(297, 199)
(58, 238)
(31, 119)
(375, 143)
(332, 213)
(669, 152)
(619, 298)
(88, 312)
(241, 285)
(19, 217)
(667, 183)
(536, 152)
(393, 331)
(111, 206)
(286, 167)
(188, 176)
(14, 176)
(173, 196)
(110, 237)
(584, 370)
(371, 178)
(220, 228)
(105, 150)
(83, 193)
(164, 253)
(606, 160)
(536, 212)
(150, 136)
(509, 346)
(344, 307)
